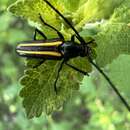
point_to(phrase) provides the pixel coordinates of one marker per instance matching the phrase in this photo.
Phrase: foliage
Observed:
(92, 107)
(38, 93)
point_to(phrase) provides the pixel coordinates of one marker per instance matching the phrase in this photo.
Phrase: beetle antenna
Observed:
(111, 84)
(57, 77)
(90, 60)
(66, 20)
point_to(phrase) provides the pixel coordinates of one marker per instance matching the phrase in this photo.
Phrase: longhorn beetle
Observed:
(59, 49)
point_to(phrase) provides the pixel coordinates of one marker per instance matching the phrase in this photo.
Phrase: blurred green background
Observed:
(93, 108)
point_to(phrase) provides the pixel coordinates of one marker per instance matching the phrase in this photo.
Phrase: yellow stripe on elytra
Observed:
(39, 53)
(57, 43)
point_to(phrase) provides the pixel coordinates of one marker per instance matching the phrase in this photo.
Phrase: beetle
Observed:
(59, 49)
(54, 49)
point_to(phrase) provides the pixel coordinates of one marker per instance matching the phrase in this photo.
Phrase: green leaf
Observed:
(99, 89)
(32, 9)
(120, 74)
(38, 92)
(113, 40)
(94, 10)
(122, 14)
(73, 5)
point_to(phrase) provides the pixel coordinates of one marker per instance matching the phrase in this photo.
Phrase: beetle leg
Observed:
(39, 63)
(73, 38)
(90, 41)
(41, 33)
(59, 34)
(57, 77)
(73, 67)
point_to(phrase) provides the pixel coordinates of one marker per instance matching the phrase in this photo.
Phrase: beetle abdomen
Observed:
(40, 49)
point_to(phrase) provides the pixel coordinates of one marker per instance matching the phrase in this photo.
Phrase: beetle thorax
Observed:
(71, 50)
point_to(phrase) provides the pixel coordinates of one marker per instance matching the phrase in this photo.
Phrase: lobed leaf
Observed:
(38, 92)
(95, 10)
(112, 41)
